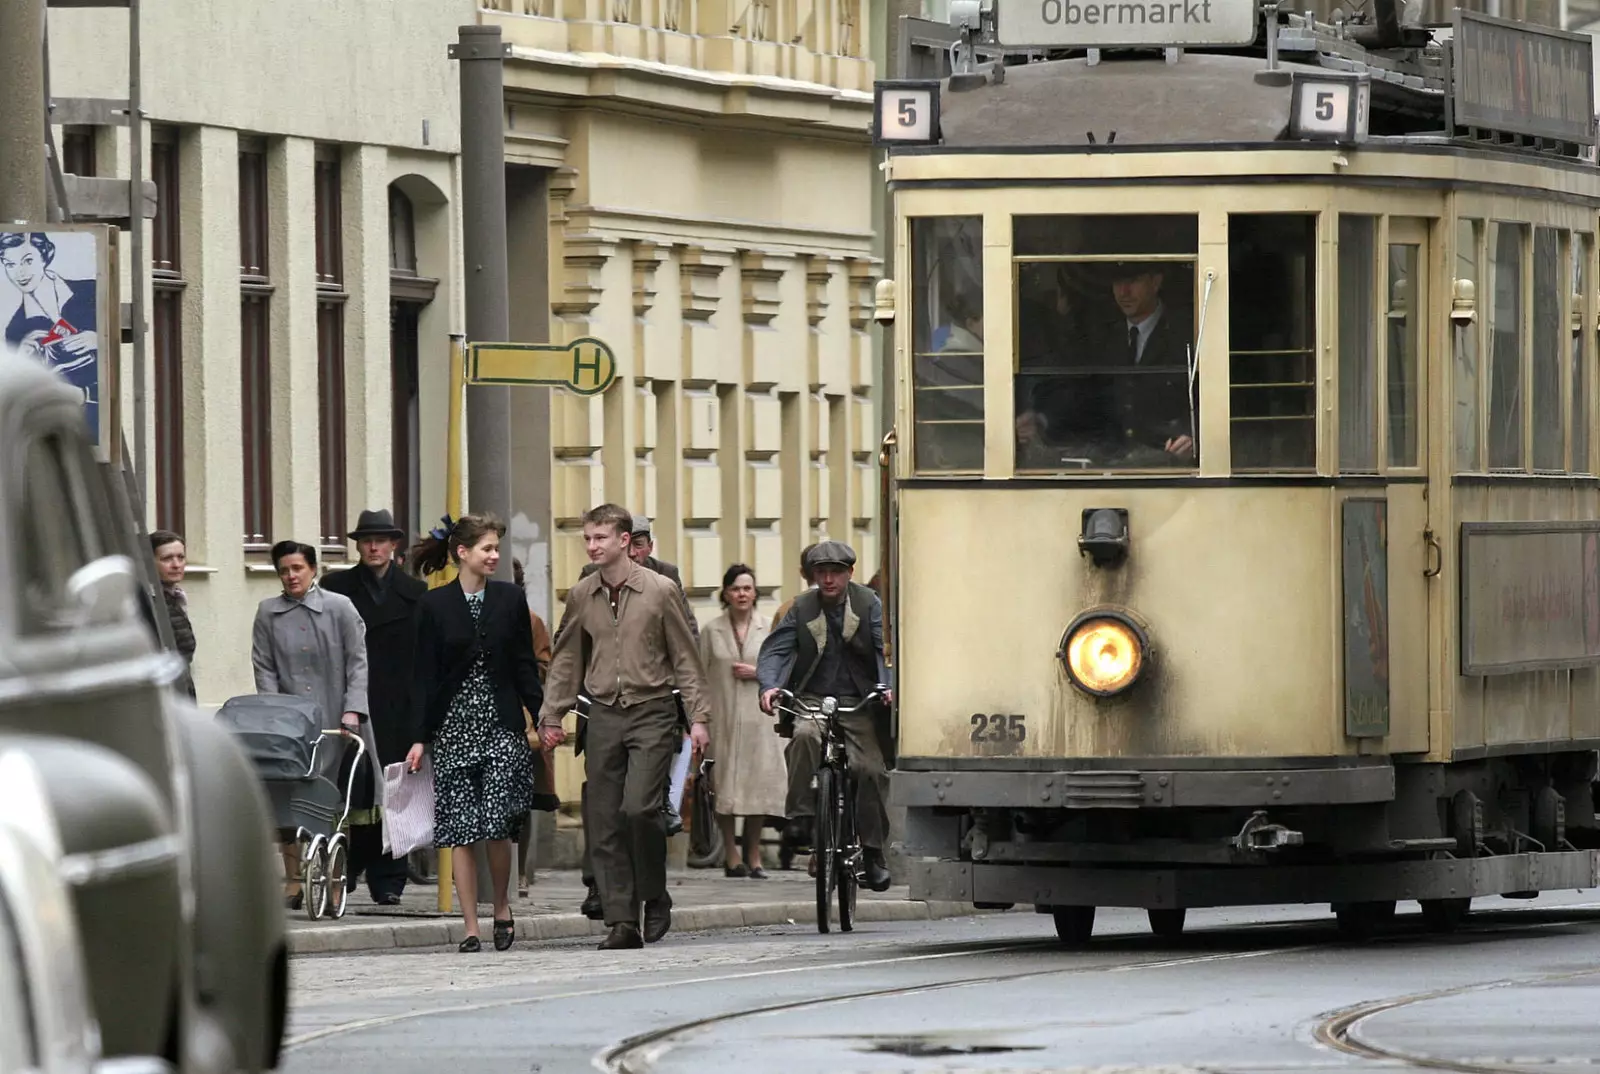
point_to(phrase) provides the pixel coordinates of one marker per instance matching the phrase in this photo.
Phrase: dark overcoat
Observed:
(391, 639)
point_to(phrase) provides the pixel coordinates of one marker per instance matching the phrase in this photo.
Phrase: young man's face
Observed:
(604, 543)
(377, 552)
(832, 580)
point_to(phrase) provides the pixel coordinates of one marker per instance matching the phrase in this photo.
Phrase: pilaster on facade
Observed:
(369, 383)
(295, 402)
(701, 288)
(580, 283)
(760, 281)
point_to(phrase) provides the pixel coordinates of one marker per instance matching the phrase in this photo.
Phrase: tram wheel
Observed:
(1074, 924)
(1167, 922)
(1358, 920)
(1445, 915)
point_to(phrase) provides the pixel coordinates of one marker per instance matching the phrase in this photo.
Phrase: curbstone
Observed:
(415, 935)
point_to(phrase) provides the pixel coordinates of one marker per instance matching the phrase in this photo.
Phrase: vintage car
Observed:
(148, 813)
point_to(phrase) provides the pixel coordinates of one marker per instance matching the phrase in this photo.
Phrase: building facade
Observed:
(690, 182)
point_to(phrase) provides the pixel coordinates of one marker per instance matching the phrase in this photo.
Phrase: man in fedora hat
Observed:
(386, 598)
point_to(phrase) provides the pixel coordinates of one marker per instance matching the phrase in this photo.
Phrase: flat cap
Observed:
(641, 526)
(831, 553)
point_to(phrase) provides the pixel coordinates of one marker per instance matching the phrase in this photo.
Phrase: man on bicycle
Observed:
(830, 644)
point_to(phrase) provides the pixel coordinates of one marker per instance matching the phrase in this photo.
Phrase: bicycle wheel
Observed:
(849, 853)
(825, 846)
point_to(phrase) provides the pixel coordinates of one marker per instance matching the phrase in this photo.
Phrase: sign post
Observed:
(586, 366)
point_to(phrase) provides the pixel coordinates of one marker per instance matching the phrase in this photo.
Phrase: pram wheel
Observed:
(338, 875)
(314, 877)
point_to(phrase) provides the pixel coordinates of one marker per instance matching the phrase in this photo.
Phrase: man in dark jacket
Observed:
(386, 597)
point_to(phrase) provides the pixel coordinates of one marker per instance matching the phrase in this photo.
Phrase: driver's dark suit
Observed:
(833, 651)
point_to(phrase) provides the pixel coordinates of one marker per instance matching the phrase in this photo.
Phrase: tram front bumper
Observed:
(1128, 788)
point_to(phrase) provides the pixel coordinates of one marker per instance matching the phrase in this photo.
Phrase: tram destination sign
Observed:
(1124, 23)
(1520, 79)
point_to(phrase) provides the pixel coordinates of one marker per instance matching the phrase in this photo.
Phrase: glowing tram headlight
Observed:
(1104, 652)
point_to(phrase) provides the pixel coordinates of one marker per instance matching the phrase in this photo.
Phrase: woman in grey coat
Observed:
(311, 643)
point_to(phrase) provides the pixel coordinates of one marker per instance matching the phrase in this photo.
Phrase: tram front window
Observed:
(1105, 334)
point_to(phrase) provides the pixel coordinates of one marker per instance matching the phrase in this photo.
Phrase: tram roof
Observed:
(1202, 98)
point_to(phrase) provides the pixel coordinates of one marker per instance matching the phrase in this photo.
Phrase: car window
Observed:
(55, 542)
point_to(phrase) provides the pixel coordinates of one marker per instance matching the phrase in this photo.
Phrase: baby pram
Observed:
(285, 741)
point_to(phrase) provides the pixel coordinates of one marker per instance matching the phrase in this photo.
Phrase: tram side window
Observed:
(1358, 387)
(1105, 335)
(1549, 447)
(1582, 251)
(1272, 341)
(1505, 346)
(1405, 350)
(947, 343)
(1466, 353)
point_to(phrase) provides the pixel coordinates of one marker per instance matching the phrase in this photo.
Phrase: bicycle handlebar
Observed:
(812, 710)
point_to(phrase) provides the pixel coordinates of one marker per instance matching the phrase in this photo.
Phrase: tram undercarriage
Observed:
(1359, 837)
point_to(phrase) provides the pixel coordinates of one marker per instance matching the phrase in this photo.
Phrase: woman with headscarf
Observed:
(310, 643)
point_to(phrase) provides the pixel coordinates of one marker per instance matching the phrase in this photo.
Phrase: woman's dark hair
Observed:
(161, 538)
(37, 239)
(730, 576)
(284, 549)
(433, 552)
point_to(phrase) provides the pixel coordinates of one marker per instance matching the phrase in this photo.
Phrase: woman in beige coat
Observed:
(750, 775)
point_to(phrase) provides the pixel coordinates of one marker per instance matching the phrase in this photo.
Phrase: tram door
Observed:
(1406, 339)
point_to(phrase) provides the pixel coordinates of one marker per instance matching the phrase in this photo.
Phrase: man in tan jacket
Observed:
(624, 643)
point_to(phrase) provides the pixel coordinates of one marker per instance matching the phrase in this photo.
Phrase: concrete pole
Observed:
(487, 280)
(483, 214)
(22, 120)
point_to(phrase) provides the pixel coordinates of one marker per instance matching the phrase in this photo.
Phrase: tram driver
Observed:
(1113, 391)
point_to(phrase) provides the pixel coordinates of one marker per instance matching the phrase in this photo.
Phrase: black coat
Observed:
(391, 636)
(448, 643)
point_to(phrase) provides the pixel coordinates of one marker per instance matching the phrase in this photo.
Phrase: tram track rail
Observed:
(1341, 1030)
(639, 1054)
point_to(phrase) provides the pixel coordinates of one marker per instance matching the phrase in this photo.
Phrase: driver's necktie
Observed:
(1133, 344)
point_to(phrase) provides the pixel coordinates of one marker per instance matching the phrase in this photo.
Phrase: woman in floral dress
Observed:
(475, 673)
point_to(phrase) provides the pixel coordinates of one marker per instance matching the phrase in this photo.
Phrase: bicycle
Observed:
(836, 845)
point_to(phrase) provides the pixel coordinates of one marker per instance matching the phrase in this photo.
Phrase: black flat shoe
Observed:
(295, 901)
(758, 873)
(736, 870)
(622, 937)
(591, 908)
(470, 946)
(504, 933)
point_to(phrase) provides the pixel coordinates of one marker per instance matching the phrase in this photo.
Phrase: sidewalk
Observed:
(702, 899)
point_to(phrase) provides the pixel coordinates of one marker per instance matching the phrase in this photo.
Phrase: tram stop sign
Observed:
(586, 366)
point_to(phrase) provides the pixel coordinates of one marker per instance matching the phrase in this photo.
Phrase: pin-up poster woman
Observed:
(53, 315)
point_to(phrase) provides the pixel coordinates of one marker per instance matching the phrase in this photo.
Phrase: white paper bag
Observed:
(407, 808)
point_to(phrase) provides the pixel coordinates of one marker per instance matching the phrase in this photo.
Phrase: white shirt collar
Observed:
(1146, 327)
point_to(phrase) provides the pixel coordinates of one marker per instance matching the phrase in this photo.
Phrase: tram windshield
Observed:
(1105, 342)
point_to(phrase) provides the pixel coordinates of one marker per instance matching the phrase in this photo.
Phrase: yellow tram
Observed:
(1245, 504)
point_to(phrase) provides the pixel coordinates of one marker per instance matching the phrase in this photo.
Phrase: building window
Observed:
(166, 330)
(77, 151)
(402, 234)
(330, 347)
(255, 286)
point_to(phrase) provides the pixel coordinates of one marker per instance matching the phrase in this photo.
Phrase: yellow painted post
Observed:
(452, 507)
